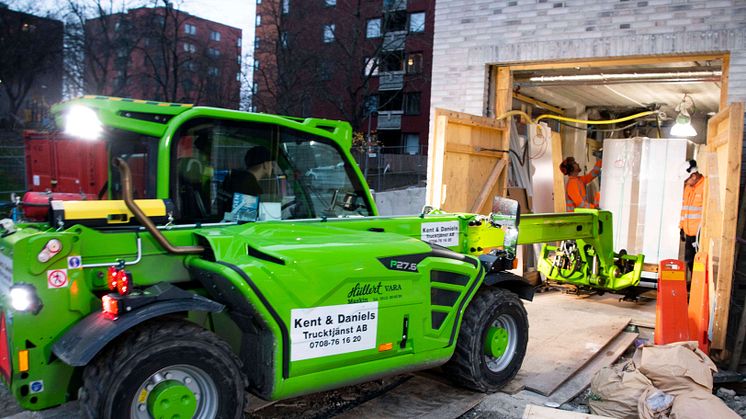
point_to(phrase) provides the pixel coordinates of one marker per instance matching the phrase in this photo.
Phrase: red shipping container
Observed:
(57, 163)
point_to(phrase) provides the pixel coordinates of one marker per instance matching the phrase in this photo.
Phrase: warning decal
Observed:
(57, 278)
(443, 234)
(331, 330)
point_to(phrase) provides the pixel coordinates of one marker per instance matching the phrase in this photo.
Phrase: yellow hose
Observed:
(582, 121)
(526, 117)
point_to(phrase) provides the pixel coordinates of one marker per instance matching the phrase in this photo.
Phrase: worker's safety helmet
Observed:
(692, 167)
(566, 165)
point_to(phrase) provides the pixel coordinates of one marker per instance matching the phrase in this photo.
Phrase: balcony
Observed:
(389, 120)
(392, 80)
(393, 41)
(394, 5)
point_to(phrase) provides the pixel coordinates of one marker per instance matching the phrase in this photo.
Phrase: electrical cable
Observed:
(596, 129)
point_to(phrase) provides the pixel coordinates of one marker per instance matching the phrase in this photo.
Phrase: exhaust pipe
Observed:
(126, 175)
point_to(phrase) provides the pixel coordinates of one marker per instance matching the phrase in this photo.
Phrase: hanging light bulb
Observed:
(683, 126)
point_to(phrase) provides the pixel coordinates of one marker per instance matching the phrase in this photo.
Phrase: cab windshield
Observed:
(227, 171)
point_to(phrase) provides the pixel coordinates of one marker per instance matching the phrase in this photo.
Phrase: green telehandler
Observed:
(179, 292)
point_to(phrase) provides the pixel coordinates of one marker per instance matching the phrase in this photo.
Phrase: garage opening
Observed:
(644, 162)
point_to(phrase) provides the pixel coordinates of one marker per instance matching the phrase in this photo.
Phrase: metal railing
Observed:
(12, 164)
(387, 168)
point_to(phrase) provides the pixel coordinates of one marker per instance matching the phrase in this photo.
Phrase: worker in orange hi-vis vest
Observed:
(575, 195)
(691, 212)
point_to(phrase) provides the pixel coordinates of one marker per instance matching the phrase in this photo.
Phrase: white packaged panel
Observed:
(642, 184)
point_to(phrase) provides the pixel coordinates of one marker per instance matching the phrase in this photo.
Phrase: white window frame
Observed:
(329, 33)
(190, 29)
(371, 66)
(215, 36)
(258, 20)
(373, 28)
(419, 28)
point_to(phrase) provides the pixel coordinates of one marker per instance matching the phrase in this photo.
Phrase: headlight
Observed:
(83, 122)
(23, 298)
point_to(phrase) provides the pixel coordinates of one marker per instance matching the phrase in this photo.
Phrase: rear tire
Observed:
(191, 362)
(497, 315)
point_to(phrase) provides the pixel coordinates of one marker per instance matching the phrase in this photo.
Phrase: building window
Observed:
(330, 3)
(412, 103)
(238, 42)
(238, 59)
(256, 43)
(258, 1)
(414, 63)
(326, 69)
(213, 71)
(390, 101)
(370, 104)
(393, 61)
(417, 22)
(329, 33)
(371, 66)
(258, 20)
(395, 21)
(215, 35)
(411, 143)
(238, 76)
(374, 28)
(213, 52)
(191, 66)
(285, 7)
(189, 47)
(256, 64)
(190, 29)
(284, 39)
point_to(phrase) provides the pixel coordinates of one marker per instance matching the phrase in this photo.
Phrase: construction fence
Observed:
(388, 168)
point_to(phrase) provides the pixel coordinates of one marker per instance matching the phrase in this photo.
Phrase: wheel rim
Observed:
(177, 391)
(500, 343)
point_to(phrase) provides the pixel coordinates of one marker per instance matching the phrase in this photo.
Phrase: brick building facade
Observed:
(163, 54)
(470, 35)
(343, 60)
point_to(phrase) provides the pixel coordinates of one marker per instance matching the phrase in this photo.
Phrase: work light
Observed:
(23, 298)
(83, 122)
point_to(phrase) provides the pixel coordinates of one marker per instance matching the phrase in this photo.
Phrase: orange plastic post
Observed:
(671, 317)
(699, 305)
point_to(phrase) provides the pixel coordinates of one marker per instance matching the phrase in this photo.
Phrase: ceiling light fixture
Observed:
(683, 126)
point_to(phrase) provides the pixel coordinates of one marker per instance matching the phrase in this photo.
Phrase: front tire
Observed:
(491, 343)
(165, 368)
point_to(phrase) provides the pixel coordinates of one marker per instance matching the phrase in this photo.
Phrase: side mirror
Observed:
(505, 212)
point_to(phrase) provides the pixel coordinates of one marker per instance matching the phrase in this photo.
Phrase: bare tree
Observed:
(99, 44)
(284, 80)
(30, 57)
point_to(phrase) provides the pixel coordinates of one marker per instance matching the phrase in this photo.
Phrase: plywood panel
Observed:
(722, 169)
(464, 163)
